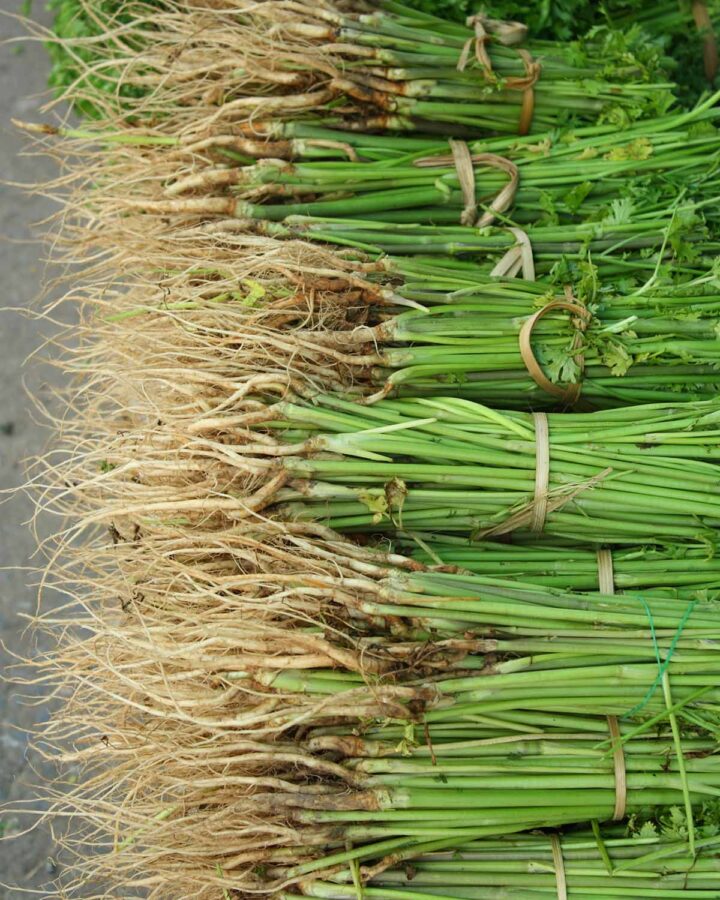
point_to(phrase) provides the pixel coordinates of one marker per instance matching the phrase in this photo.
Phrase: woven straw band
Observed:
(518, 258)
(620, 773)
(542, 472)
(506, 33)
(581, 319)
(559, 864)
(606, 578)
(465, 167)
(710, 48)
(607, 586)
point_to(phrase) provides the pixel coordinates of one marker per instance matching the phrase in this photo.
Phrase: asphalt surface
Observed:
(27, 860)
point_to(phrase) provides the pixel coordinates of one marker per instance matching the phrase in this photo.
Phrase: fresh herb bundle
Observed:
(400, 68)
(588, 174)
(515, 343)
(396, 794)
(676, 570)
(531, 866)
(394, 67)
(451, 465)
(515, 648)
(635, 245)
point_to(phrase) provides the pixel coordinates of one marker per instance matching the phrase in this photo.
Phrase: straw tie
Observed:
(519, 258)
(559, 864)
(606, 576)
(620, 771)
(541, 496)
(710, 48)
(542, 472)
(607, 586)
(580, 320)
(465, 163)
(507, 33)
(526, 85)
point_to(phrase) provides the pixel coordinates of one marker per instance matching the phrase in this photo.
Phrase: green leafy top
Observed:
(73, 23)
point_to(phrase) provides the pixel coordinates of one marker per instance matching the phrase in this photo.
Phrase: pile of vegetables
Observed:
(393, 475)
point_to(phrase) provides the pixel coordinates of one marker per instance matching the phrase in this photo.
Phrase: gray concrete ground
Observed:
(28, 860)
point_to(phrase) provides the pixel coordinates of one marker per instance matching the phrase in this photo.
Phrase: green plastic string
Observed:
(662, 665)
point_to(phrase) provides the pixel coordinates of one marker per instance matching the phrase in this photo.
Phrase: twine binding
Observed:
(542, 472)
(556, 499)
(465, 163)
(507, 33)
(519, 258)
(606, 578)
(570, 394)
(559, 864)
(620, 771)
(526, 85)
(710, 47)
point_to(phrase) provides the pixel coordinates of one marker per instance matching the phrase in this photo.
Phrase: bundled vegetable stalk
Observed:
(675, 570)
(516, 343)
(571, 176)
(685, 30)
(568, 339)
(532, 866)
(516, 648)
(637, 246)
(414, 68)
(430, 327)
(452, 465)
(392, 797)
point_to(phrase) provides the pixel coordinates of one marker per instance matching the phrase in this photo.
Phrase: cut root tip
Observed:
(35, 127)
